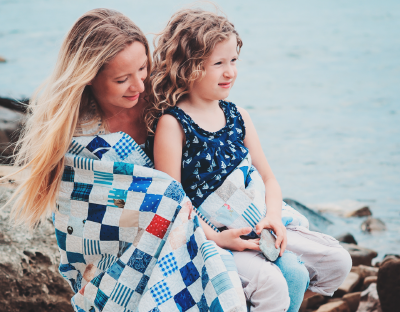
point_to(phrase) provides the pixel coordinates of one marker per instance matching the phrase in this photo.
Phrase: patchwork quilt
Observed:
(128, 240)
(240, 202)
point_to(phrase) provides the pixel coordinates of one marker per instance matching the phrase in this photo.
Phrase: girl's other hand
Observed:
(230, 239)
(275, 224)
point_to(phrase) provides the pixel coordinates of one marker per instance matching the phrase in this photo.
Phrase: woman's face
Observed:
(120, 82)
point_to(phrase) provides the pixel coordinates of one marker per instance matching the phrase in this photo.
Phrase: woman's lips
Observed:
(132, 98)
(225, 85)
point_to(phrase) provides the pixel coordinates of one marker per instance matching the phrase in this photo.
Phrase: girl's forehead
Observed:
(225, 47)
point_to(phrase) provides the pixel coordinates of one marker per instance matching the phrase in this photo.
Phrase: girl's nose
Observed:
(229, 72)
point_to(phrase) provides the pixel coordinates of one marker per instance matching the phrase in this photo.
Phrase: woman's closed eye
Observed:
(122, 81)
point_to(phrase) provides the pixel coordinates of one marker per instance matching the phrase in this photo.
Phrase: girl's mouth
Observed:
(225, 85)
(132, 98)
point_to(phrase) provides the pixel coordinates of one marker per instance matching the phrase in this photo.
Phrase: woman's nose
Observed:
(137, 85)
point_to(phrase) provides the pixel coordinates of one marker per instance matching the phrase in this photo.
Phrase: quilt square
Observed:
(75, 257)
(160, 292)
(142, 284)
(139, 260)
(98, 146)
(91, 247)
(189, 274)
(116, 270)
(109, 233)
(184, 300)
(61, 239)
(222, 282)
(216, 306)
(202, 304)
(204, 277)
(175, 191)
(81, 191)
(150, 203)
(252, 215)
(101, 299)
(123, 168)
(168, 264)
(140, 184)
(158, 226)
(121, 295)
(124, 147)
(68, 174)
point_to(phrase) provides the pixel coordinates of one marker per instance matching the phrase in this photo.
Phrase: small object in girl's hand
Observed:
(267, 245)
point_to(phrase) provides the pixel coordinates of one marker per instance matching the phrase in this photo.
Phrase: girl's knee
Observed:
(294, 271)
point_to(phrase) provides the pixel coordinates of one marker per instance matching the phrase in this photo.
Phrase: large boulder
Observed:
(345, 208)
(29, 277)
(317, 221)
(360, 255)
(10, 124)
(388, 284)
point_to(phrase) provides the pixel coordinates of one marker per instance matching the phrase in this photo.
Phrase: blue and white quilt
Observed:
(240, 202)
(128, 240)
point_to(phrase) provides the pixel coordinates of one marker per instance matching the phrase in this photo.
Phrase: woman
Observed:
(125, 232)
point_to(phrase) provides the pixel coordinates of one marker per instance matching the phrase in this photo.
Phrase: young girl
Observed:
(200, 139)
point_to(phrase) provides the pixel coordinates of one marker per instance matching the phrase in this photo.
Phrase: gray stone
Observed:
(369, 301)
(360, 255)
(373, 225)
(317, 221)
(267, 245)
(345, 208)
(346, 238)
(29, 277)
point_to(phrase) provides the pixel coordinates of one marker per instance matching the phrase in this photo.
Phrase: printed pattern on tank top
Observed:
(209, 157)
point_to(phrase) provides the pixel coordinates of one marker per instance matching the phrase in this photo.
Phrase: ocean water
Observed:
(321, 80)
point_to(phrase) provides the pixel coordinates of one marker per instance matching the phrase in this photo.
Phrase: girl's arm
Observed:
(273, 195)
(168, 143)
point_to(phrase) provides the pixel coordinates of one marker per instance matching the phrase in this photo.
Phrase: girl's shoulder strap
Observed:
(182, 118)
(234, 118)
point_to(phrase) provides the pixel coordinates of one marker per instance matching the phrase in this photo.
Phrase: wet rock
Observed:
(2, 59)
(348, 285)
(352, 300)
(364, 271)
(345, 208)
(10, 124)
(360, 255)
(317, 221)
(335, 306)
(267, 245)
(388, 284)
(369, 301)
(315, 301)
(29, 277)
(373, 225)
(368, 281)
(347, 238)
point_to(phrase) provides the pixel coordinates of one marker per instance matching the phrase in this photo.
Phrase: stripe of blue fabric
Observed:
(205, 219)
(106, 261)
(75, 148)
(91, 247)
(122, 294)
(83, 163)
(104, 178)
(222, 283)
(208, 250)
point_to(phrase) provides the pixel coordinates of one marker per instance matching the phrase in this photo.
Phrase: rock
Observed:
(365, 271)
(347, 238)
(336, 306)
(315, 301)
(303, 307)
(29, 277)
(2, 59)
(369, 301)
(10, 124)
(348, 285)
(267, 245)
(352, 300)
(373, 225)
(388, 284)
(317, 221)
(369, 280)
(345, 208)
(360, 255)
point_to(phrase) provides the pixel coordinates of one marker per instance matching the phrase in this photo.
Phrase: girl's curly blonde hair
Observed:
(180, 52)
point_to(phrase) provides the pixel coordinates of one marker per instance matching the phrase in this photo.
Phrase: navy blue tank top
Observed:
(208, 157)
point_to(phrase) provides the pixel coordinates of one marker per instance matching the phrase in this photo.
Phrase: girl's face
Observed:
(220, 70)
(120, 82)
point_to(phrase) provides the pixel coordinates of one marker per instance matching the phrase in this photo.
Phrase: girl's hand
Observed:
(230, 239)
(275, 224)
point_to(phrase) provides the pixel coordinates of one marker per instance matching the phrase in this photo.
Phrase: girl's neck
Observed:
(193, 102)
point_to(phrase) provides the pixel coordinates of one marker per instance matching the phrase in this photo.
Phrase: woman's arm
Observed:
(273, 195)
(168, 143)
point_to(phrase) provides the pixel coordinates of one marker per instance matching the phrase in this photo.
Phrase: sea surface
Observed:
(321, 80)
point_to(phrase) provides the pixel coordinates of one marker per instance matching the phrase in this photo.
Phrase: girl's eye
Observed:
(234, 60)
(122, 81)
(218, 63)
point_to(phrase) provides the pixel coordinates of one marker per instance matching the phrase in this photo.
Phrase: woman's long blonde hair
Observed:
(53, 111)
(180, 52)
